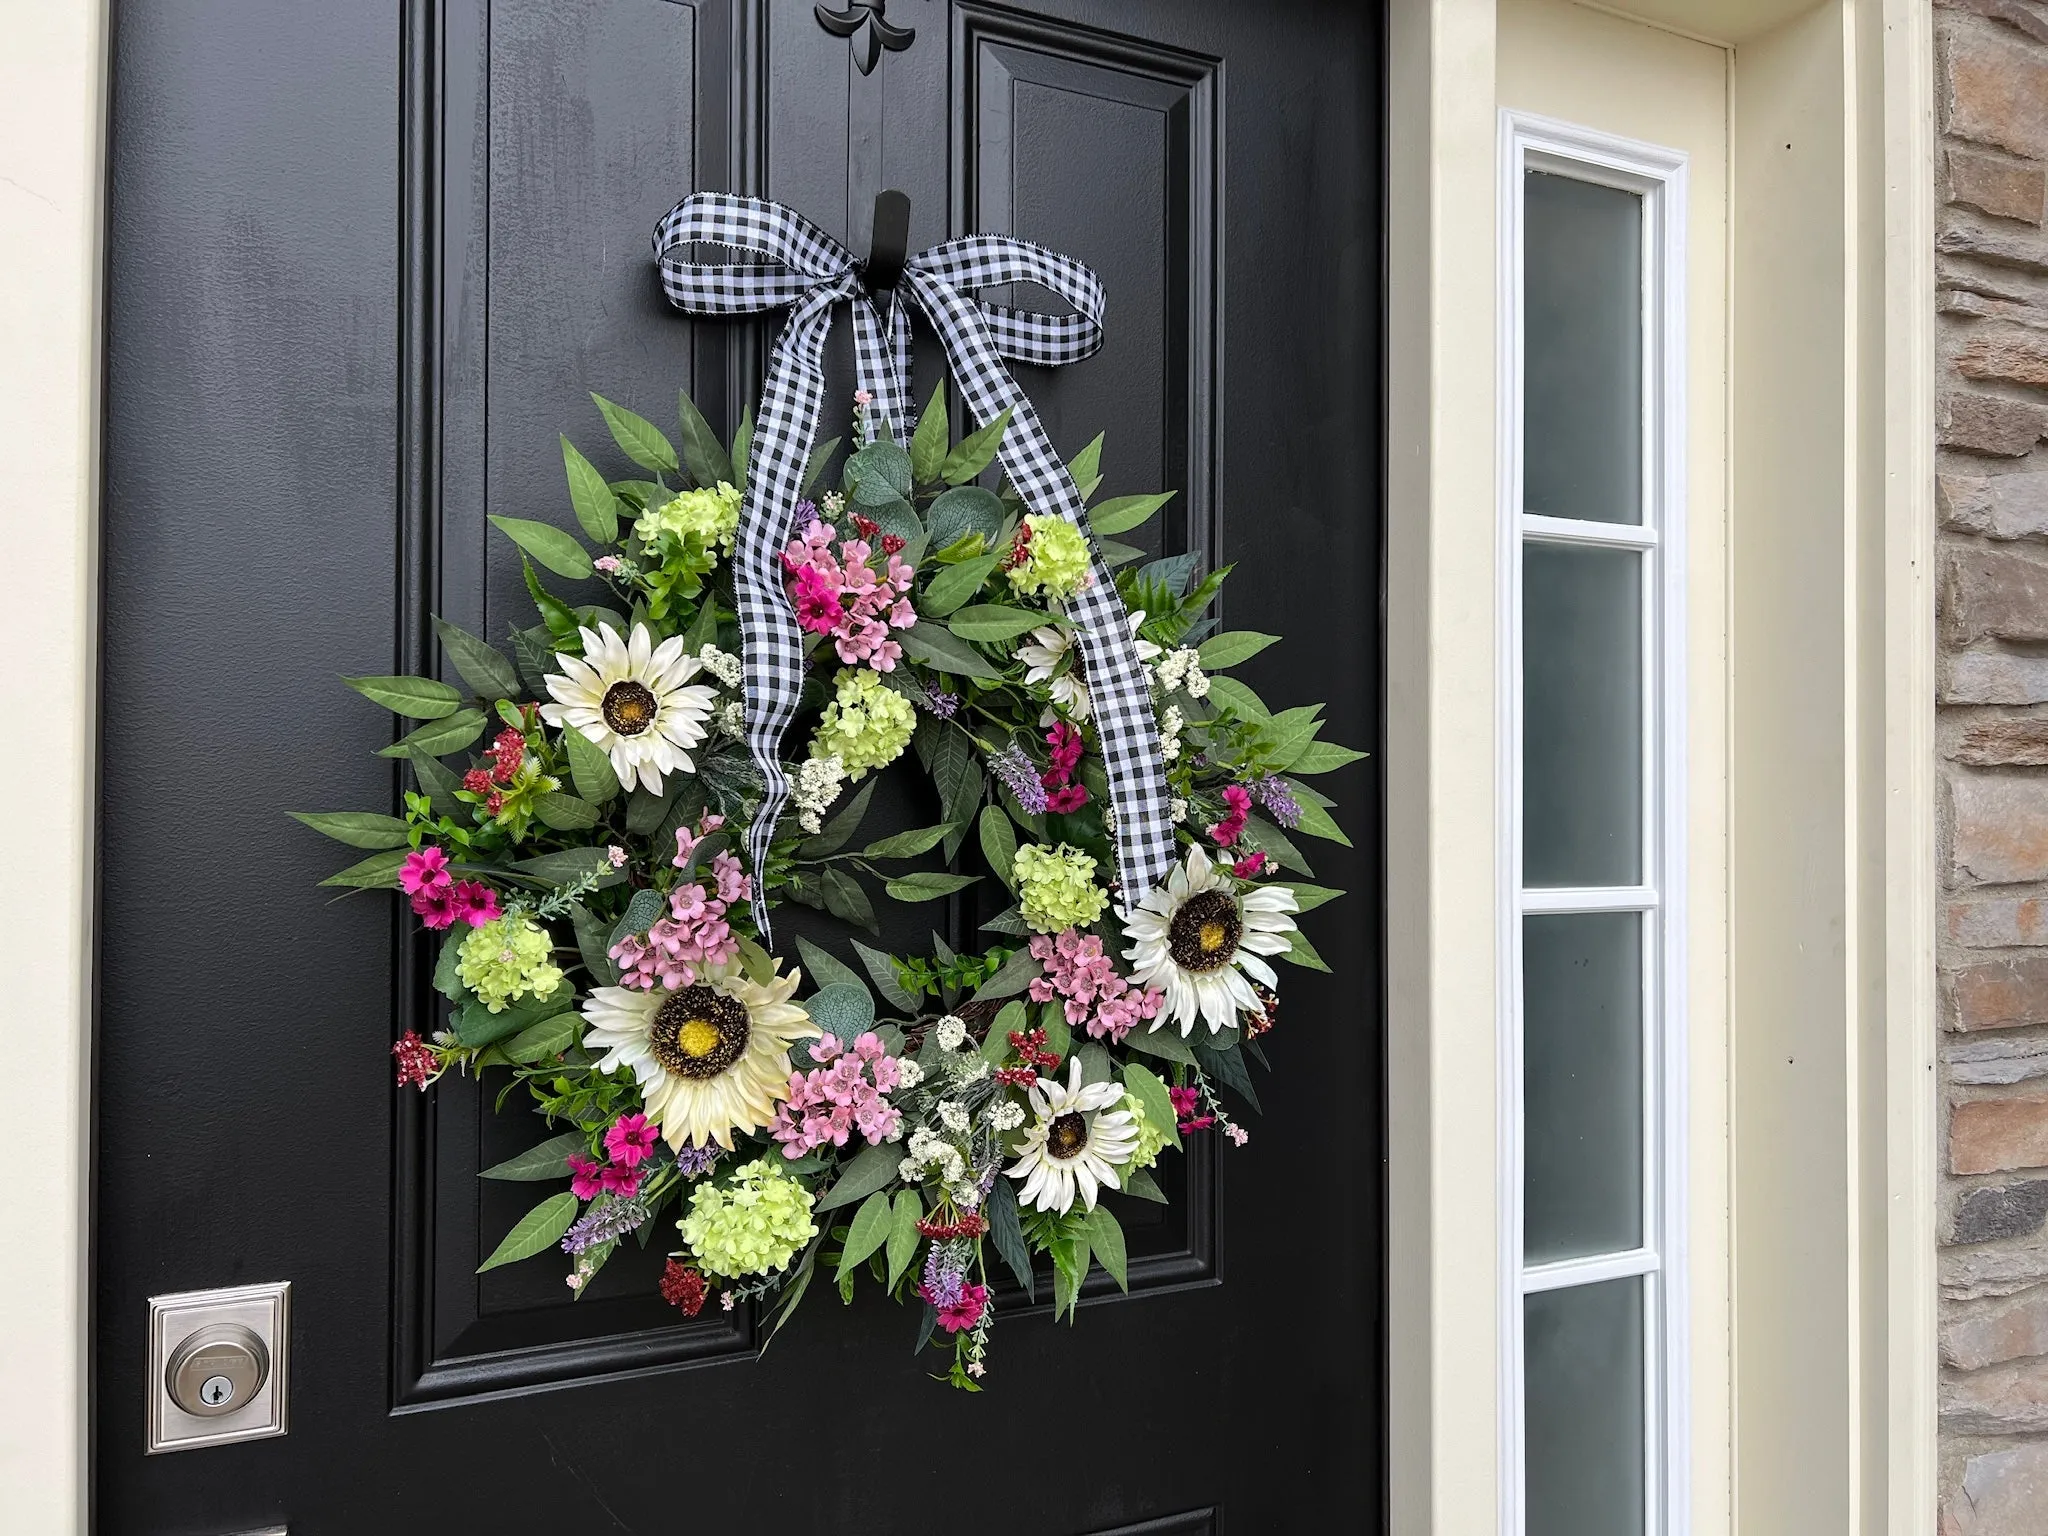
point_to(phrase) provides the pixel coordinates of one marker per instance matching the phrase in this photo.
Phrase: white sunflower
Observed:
(1047, 654)
(1076, 1142)
(1198, 938)
(711, 1059)
(635, 700)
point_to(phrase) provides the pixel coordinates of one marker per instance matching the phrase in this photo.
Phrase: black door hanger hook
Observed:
(889, 245)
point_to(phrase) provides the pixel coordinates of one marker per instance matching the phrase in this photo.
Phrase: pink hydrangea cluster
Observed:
(1086, 979)
(840, 594)
(438, 898)
(1063, 749)
(843, 1094)
(695, 932)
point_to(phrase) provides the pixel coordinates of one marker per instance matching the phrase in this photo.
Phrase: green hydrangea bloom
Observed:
(755, 1223)
(1056, 888)
(508, 958)
(1150, 1140)
(705, 519)
(867, 725)
(1056, 561)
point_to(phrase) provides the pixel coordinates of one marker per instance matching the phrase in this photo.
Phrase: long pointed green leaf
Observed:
(359, 829)
(416, 698)
(1120, 514)
(482, 666)
(377, 872)
(638, 438)
(975, 452)
(597, 508)
(703, 453)
(546, 1161)
(928, 442)
(438, 738)
(871, 1225)
(538, 1230)
(548, 544)
(590, 767)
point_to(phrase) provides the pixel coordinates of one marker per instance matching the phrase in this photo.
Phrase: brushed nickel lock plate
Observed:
(217, 1366)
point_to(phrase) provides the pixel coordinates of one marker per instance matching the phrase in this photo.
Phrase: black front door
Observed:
(365, 261)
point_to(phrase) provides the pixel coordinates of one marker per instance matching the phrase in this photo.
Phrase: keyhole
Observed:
(216, 1390)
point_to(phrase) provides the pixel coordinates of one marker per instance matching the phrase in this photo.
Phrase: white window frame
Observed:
(1658, 175)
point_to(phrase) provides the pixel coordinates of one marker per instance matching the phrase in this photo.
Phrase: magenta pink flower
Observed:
(964, 1313)
(818, 608)
(1239, 801)
(586, 1178)
(631, 1140)
(425, 870)
(1068, 797)
(619, 1183)
(1064, 746)
(436, 908)
(475, 903)
(1250, 866)
(838, 592)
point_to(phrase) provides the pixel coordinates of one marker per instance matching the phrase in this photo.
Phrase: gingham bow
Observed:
(809, 272)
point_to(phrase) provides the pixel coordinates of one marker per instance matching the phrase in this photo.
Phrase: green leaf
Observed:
(928, 442)
(927, 885)
(546, 543)
(1289, 731)
(437, 783)
(742, 449)
(840, 829)
(1308, 897)
(476, 1025)
(1086, 468)
(550, 1037)
(416, 698)
(646, 811)
(1011, 1018)
(566, 866)
(565, 813)
(999, 844)
(1059, 1035)
(871, 1227)
(908, 845)
(1262, 835)
(482, 666)
(879, 474)
(1322, 757)
(538, 1230)
(974, 453)
(993, 623)
(1115, 554)
(1007, 1232)
(883, 970)
(756, 961)
(845, 1009)
(1120, 514)
(903, 1233)
(1069, 1266)
(821, 460)
(1106, 1242)
(1226, 1064)
(597, 508)
(845, 900)
(956, 584)
(871, 1169)
(1147, 1088)
(593, 941)
(828, 970)
(359, 829)
(963, 510)
(549, 1160)
(1161, 1042)
(1232, 647)
(638, 438)
(558, 616)
(378, 872)
(1301, 952)
(448, 966)
(1228, 691)
(1317, 822)
(639, 916)
(438, 738)
(1096, 1064)
(937, 648)
(590, 768)
(1140, 1185)
(702, 451)
(1015, 974)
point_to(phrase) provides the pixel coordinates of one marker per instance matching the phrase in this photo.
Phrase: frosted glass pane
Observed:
(1582, 350)
(1583, 1437)
(1582, 1084)
(1582, 715)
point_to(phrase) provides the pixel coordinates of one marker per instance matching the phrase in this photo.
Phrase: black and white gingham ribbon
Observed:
(808, 272)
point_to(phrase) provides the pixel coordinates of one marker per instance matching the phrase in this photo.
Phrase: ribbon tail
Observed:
(881, 373)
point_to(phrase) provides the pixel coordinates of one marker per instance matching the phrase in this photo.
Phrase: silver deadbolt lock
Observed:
(217, 1370)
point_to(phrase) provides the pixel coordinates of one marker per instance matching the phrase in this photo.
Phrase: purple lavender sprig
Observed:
(604, 1224)
(1272, 793)
(692, 1161)
(945, 1274)
(941, 703)
(1020, 777)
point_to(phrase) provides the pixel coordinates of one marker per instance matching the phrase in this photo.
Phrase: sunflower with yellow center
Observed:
(711, 1058)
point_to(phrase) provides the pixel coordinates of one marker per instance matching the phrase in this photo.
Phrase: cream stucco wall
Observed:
(51, 73)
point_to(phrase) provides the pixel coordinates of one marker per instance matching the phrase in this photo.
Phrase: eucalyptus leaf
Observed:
(595, 503)
(641, 914)
(359, 829)
(963, 510)
(638, 438)
(879, 474)
(553, 548)
(416, 698)
(844, 1008)
(538, 1230)
(549, 1160)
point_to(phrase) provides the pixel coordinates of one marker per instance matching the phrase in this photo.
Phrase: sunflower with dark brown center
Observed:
(699, 1032)
(1067, 1136)
(1201, 938)
(1204, 932)
(1079, 1137)
(628, 707)
(711, 1058)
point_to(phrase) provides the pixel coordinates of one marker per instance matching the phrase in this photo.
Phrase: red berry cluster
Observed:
(1256, 1024)
(969, 1224)
(1015, 1077)
(1030, 1048)
(892, 543)
(416, 1063)
(684, 1287)
(867, 525)
(1020, 548)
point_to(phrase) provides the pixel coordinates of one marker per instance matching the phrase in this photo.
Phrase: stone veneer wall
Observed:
(1992, 276)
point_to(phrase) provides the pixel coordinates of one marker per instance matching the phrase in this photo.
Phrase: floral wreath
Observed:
(586, 871)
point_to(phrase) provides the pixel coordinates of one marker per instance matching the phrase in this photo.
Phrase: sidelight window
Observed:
(1592, 859)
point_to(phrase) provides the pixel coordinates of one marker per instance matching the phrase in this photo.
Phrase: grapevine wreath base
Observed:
(587, 864)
